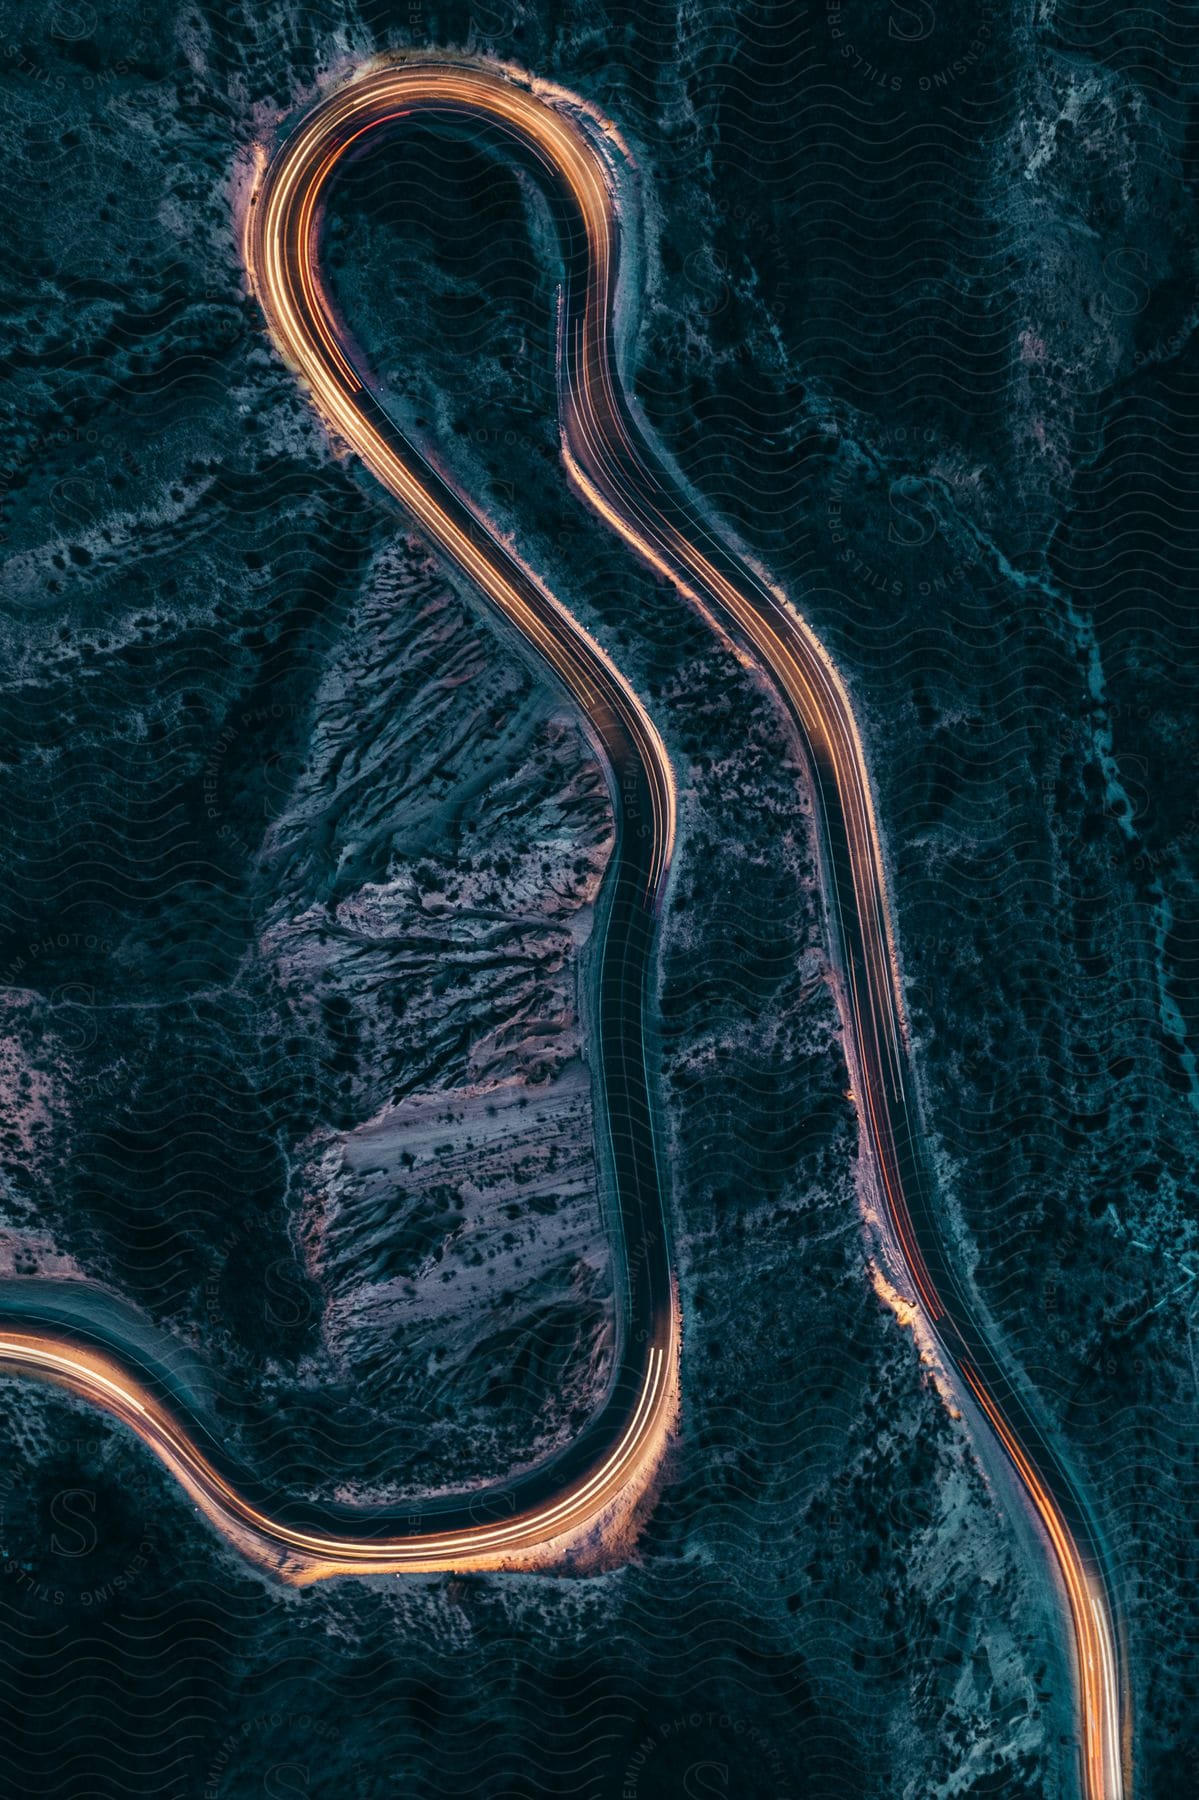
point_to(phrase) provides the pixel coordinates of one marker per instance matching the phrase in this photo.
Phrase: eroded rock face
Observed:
(433, 879)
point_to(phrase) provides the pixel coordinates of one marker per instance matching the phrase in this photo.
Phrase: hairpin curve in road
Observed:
(632, 487)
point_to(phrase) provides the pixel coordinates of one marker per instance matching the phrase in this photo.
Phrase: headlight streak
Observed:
(610, 463)
(95, 1377)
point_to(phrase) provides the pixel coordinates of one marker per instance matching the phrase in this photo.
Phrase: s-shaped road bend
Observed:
(611, 461)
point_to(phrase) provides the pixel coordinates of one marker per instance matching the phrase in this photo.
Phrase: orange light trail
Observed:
(627, 484)
(97, 1378)
(1093, 1643)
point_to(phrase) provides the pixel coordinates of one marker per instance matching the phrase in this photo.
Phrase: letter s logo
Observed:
(74, 1003)
(915, 512)
(706, 1781)
(70, 24)
(1127, 289)
(707, 272)
(287, 1300)
(285, 1780)
(495, 24)
(74, 1509)
(912, 24)
(76, 500)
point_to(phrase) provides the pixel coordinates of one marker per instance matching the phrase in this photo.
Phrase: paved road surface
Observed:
(612, 463)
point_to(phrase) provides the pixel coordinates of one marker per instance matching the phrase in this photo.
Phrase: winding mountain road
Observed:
(611, 461)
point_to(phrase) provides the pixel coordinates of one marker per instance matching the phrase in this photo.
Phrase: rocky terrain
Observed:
(301, 859)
